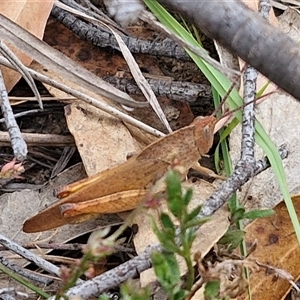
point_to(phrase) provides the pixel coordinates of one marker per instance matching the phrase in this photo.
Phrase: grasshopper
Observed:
(121, 188)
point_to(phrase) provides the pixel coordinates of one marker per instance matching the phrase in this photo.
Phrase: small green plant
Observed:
(234, 237)
(176, 240)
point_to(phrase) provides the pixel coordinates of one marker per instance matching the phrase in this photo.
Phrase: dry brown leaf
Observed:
(207, 235)
(277, 246)
(102, 140)
(32, 15)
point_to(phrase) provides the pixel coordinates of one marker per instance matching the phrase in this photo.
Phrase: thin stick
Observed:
(16, 62)
(24, 113)
(40, 262)
(245, 168)
(10, 293)
(23, 272)
(39, 139)
(17, 142)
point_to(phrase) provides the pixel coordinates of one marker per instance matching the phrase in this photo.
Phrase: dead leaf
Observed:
(102, 140)
(32, 15)
(277, 246)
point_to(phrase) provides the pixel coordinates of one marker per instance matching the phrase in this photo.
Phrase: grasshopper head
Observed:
(204, 133)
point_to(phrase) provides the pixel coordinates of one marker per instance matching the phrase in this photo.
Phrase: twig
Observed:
(16, 62)
(24, 113)
(245, 167)
(101, 38)
(23, 272)
(38, 139)
(40, 262)
(114, 277)
(175, 90)
(52, 246)
(17, 142)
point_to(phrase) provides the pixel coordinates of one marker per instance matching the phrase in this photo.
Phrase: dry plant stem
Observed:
(24, 113)
(16, 62)
(245, 167)
(23, 272)
(11, 292)
(37, 139)
(17, 142)
(114, 277)
(92, 101)
(101, 38)
(52, 246)
(175, 90)
(40, 262)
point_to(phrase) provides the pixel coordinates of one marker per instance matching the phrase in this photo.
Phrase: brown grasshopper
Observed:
(121, 188)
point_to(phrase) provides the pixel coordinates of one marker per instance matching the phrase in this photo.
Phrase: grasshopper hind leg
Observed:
(207, 172)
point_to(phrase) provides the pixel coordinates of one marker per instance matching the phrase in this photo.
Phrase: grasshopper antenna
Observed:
(233, 85)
